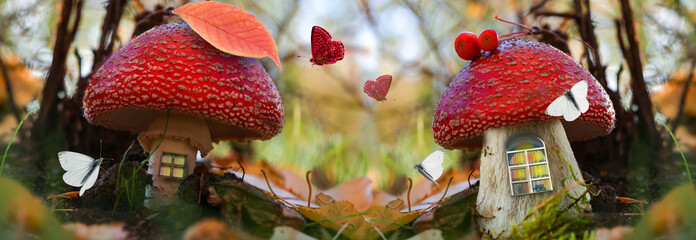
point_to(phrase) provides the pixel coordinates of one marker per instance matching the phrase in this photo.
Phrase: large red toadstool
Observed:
(213, 96)
(498, 102)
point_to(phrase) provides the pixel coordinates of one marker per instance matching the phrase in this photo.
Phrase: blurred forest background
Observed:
(645, 58)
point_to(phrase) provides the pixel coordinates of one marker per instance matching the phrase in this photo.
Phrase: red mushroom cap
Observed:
(511, 86)
(171, 63)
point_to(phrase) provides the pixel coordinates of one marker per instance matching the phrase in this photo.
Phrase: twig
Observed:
(427, 34)
(309, 197)
(408, 194)
(446, 189)
(243, 172)
(468, 179)
(269, 184)
(638, 87)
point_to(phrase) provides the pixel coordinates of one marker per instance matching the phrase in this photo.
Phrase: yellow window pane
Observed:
(516, 158)
(179, 159)
(536, 156)
(178, 172)
(166, 158)
(539, 171)
(165, 171)
(518, 174)
(542, 185)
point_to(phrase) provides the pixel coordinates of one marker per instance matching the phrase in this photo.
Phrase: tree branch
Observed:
(641, 97)
(56, 73)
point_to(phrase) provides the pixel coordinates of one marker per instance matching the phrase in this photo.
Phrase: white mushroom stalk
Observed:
(495, 203)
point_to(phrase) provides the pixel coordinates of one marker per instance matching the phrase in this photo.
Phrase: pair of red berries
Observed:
(468, 46)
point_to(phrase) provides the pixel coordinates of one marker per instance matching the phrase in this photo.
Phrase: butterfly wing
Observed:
(382, 86)
(76, 165)
(432, 164)
(571, 113)
(559, 106)
(579, 91)
(72, 160)
(320, 46)
(338, 52)
(91, 180)
(74, 178)
(369, 88)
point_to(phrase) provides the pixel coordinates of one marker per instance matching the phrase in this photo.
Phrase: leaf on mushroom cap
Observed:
(230, 29)
(171, 64)
(513, 85)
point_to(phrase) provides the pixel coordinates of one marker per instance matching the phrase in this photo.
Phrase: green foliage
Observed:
(686, 164)
(2, 165)
(550, 220)
(304, 144)
(129, 186)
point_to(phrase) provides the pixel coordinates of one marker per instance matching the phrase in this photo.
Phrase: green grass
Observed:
(7, 149)
(304, 144)
(686, 164)
(129, 185)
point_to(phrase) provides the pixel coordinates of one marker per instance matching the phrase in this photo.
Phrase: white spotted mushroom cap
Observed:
(172, 63)
(514, 85)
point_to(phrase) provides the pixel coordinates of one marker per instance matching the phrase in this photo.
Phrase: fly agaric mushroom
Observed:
(498, 102)
(212, 95)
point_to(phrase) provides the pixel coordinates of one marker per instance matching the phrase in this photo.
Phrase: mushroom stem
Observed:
(495, 201)
(175, 158)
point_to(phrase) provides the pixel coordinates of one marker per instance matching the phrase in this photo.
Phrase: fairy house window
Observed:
(172, 165)
(528, 165)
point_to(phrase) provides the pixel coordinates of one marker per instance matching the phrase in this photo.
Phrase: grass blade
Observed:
(7, 149)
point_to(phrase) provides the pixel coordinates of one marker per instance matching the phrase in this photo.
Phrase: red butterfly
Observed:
(324, 50)
(379, 88)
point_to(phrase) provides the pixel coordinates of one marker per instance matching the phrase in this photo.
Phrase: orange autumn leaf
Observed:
(230, 29)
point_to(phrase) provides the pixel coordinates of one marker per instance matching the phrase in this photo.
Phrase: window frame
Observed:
(527, 165)
(172, 165)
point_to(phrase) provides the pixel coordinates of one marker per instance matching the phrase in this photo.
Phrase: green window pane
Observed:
(179, 159)
(166, 158)
(536, 156)
(539, 171)
(518, 174)
(516, 158)
(520, 188)
(178, 172)
(541, 185)
(165, 171)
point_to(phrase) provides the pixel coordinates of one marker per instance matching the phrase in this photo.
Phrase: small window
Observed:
(172, 165)
(528, 165)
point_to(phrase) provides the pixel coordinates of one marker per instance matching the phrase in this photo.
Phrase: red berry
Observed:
(466, 45)
(488, 40)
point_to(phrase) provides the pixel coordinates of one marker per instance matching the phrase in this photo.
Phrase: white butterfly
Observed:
(81, 170)
(571, 104)
(431, 166)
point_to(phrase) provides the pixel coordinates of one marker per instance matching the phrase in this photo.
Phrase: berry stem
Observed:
(513, 23)
(513, 35)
